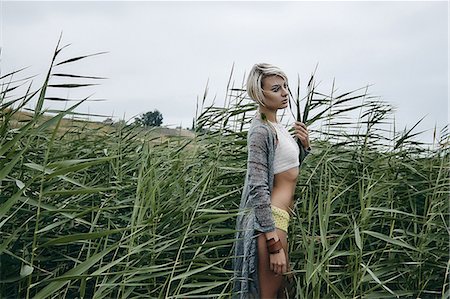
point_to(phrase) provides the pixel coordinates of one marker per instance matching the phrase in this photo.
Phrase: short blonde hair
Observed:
(255, 78)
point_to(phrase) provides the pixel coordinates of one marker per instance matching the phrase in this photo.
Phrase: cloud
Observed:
(162, 53)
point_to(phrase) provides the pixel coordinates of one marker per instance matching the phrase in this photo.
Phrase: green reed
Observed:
(95, 211)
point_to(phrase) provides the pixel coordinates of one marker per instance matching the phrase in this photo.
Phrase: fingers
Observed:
(284, 269)
(275, 267)
(278, 263)
(302, 136)
(299, 124)
(301, 132)
(300, 128)
(278, 268)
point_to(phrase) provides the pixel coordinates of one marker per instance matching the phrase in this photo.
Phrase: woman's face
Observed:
(275, 92)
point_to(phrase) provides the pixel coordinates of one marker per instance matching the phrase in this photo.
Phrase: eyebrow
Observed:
(276, 85)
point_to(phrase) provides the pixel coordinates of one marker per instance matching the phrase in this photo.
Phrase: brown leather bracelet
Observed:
(275, 247)
(270, 242)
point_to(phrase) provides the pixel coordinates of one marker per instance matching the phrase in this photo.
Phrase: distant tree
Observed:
(149, 119)
(108, 121)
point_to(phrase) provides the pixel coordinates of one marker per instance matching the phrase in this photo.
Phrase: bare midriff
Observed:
(284, 189)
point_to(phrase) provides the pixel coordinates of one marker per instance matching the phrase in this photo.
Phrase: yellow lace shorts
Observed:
(281, 218)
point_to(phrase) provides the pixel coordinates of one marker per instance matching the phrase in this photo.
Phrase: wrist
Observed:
(271, 235)
(274, 246)
(277, 252)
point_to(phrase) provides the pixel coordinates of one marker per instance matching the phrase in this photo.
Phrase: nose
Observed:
(285, 90)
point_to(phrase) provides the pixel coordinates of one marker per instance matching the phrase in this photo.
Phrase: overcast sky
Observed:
(161, 54)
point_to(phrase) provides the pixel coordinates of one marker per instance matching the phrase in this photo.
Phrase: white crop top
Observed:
(286, 152)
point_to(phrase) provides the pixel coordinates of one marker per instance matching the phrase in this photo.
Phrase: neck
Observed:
(270, 114)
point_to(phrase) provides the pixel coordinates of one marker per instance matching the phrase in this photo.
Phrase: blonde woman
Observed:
(274, 158)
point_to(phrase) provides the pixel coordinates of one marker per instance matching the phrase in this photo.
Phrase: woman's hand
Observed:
(301, 131)
(278, 262)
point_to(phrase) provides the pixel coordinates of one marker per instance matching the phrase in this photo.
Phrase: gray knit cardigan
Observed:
(255, 212)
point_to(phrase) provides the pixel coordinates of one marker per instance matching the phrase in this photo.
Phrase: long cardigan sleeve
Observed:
(258, 178)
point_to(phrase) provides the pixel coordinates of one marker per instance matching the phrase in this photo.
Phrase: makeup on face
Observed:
(278, 93)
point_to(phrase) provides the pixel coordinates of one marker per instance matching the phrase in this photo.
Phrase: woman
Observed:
(274, 158)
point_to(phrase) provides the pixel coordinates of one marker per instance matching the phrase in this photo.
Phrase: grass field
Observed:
(99, 211)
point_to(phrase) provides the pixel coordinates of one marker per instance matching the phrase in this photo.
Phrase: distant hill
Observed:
(70, 123)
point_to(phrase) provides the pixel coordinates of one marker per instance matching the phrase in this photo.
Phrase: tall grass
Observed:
(88, 212)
